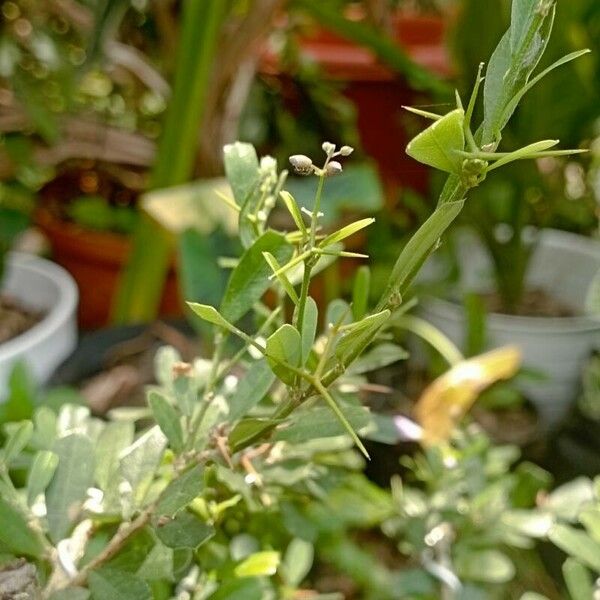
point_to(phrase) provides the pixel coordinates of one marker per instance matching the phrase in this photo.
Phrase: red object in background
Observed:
(95, 260)
(379, 94)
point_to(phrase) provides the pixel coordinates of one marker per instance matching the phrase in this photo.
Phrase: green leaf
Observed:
(590, 519)
(42, 470)
(358, 335)
(489, 566)
(437, 146)
(181, 491)
(113, 439)
(250, 279)
(15, 534)
(380, 356)
(184, 531)
(249, 430)
(523, 153)
(309, 328)
(345, 232)
(68, 488)
(521, 12)
(576, 543)
(158, 564)
(17, 440)
(251, 389)
(260, 564)
(360, 292)
(297, 561)
(242, 171)
(168, 419)
(512, 105)
(567, 500)
(337, 411)
(74, 593)
(294, 210)
(110, 584)
(211, 315)
(140, 461)
(319, 422)
(578, 580)
(281, 276)
(284, 348)
(21, 395)
(45, 420)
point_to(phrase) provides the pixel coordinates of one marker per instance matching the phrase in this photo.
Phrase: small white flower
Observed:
(333, 168)
(328, 148)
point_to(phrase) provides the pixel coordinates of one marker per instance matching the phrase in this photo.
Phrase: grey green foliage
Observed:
(246, 460)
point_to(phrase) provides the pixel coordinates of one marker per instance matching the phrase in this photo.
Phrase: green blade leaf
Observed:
(340, 415)
(309, 328)
(211, 315)
(140, 461)
(168, 419)
(184, 531)
(109, 584)
(15, 533)
(252, 388)
(381, 356)
(180, 492)
(320, 422)
(242, 170)
(42, 470)
(576, 543)
(524, 152)
(345, 232)
(294, 211)
(297, 561)
(281, 276)
(247, 431)
(578, 579)
(67, 490)
(284, 349)
(491, 566)
(360, 292)
(17, 440)
(437, 145)
(358, 335)
(113, 439)
(250, 279)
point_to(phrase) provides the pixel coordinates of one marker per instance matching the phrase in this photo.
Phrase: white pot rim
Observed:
(447, 309)
(452, 310)
(56, 317)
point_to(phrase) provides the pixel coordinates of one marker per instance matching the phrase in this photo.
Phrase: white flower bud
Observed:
(346, 150)
(328, 148)
(333, 168)
(302, 164)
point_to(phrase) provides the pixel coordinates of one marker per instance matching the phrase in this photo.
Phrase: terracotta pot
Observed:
(95, 260)
(378, 93)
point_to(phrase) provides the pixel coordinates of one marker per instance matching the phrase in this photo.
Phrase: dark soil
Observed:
(15, 319)
(536, 302)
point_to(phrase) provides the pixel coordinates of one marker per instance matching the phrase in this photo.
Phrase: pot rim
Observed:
(58, 314)
(453, 310)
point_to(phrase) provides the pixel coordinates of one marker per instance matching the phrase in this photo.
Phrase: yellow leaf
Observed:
(447, 399)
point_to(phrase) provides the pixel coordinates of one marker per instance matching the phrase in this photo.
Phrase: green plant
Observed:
(549, 193)
(269, 416)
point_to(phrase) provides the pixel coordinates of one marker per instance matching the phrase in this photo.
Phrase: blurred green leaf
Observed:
(180, 492)
(109, 584)
(578, 580)
(167, 418)
(68, 489)
(251, 389)
(42, 470)
(260, 564)
(284, 346)
(15, 533)
(184, 531)
(577, 544)
(250, 279)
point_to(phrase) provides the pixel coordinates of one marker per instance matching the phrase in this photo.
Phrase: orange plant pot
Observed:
(95, 260)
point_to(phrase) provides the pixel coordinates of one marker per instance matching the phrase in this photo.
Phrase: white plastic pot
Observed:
(563, 264)
(39, 284)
